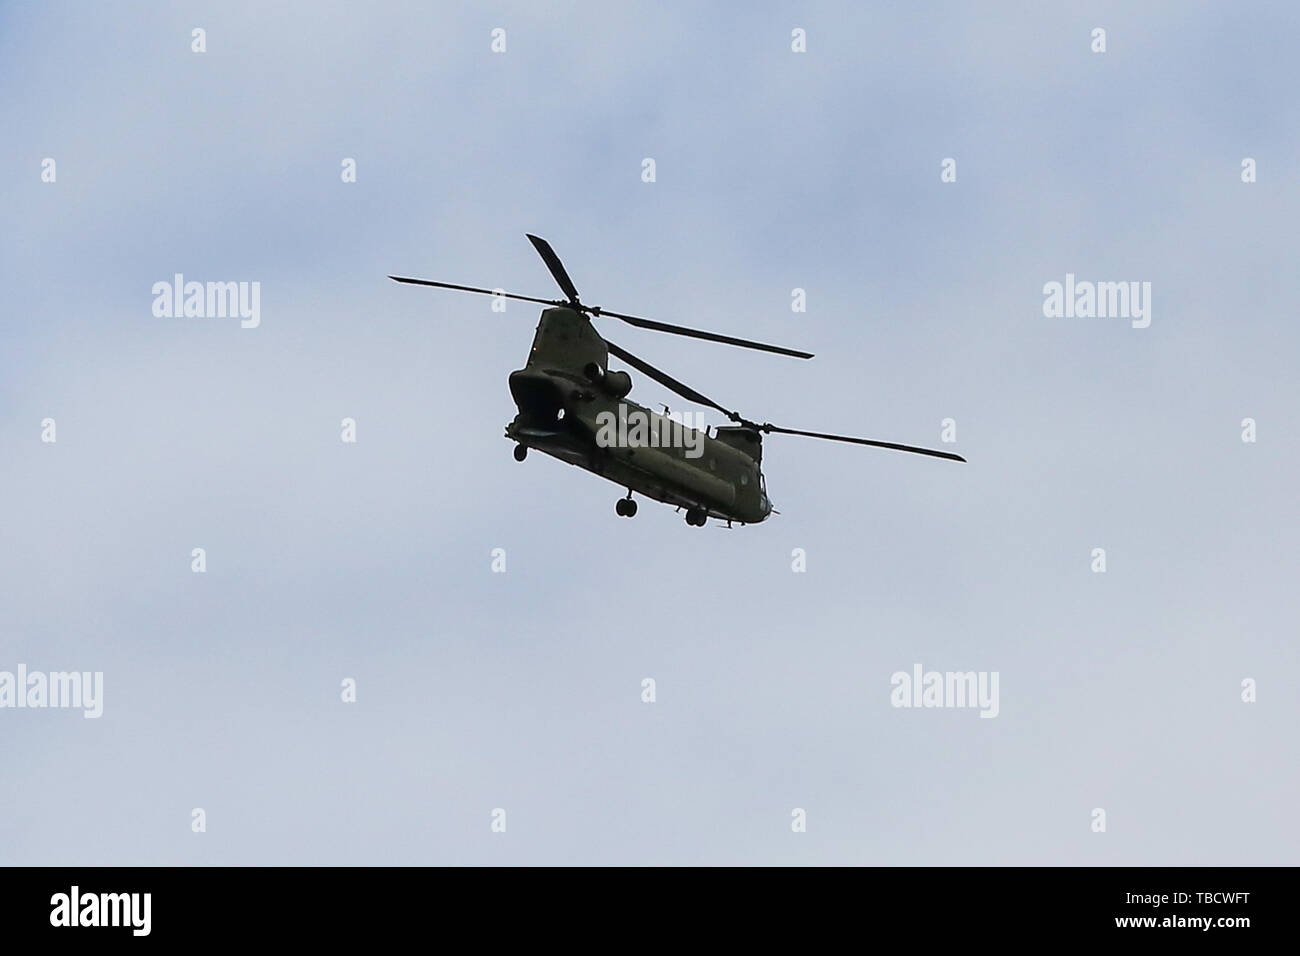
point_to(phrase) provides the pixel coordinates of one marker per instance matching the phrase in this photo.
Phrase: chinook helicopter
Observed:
(573, 407)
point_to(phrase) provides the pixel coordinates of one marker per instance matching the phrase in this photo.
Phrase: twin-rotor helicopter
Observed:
(569, 402)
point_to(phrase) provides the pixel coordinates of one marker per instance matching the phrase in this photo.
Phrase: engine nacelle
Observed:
(614, 384)
(617, 384)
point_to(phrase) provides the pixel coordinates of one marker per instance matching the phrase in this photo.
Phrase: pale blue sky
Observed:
(522, 690)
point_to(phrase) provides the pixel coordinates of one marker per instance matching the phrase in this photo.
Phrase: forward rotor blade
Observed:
(663, 378)
(553, 263)
(698, 334)
(865, 441)
(470, 288)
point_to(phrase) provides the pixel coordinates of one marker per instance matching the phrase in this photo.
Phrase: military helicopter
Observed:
(573, 407)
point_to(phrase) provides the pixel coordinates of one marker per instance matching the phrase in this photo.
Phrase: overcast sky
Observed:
(522, 690)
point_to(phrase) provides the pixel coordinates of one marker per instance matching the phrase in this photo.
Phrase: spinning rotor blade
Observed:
(553, 263)
(571, 291)
(864, 441)
(470, 288)
(690, 394)
(698, 334)
(663, 378)
(566, 285)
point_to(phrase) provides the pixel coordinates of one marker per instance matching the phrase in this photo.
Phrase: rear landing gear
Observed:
(521, 452)
(696, 517)
(625, 507)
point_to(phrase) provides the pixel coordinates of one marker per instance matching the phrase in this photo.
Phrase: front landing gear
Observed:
(696, 517)
(521, 452)
(625, 507)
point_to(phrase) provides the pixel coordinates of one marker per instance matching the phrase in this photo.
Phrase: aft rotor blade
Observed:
(641, 323)
(470, 288)
(555, 265)
(663, 378)
(866, 441)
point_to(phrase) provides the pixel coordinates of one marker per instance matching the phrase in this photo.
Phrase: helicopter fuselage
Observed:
(572, 407)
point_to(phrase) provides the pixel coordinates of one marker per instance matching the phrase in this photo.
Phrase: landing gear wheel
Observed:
(521, 452)
(620, 507)
(630, 508)
(696, 517)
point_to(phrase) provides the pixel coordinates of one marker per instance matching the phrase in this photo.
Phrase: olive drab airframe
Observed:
(573, 407)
